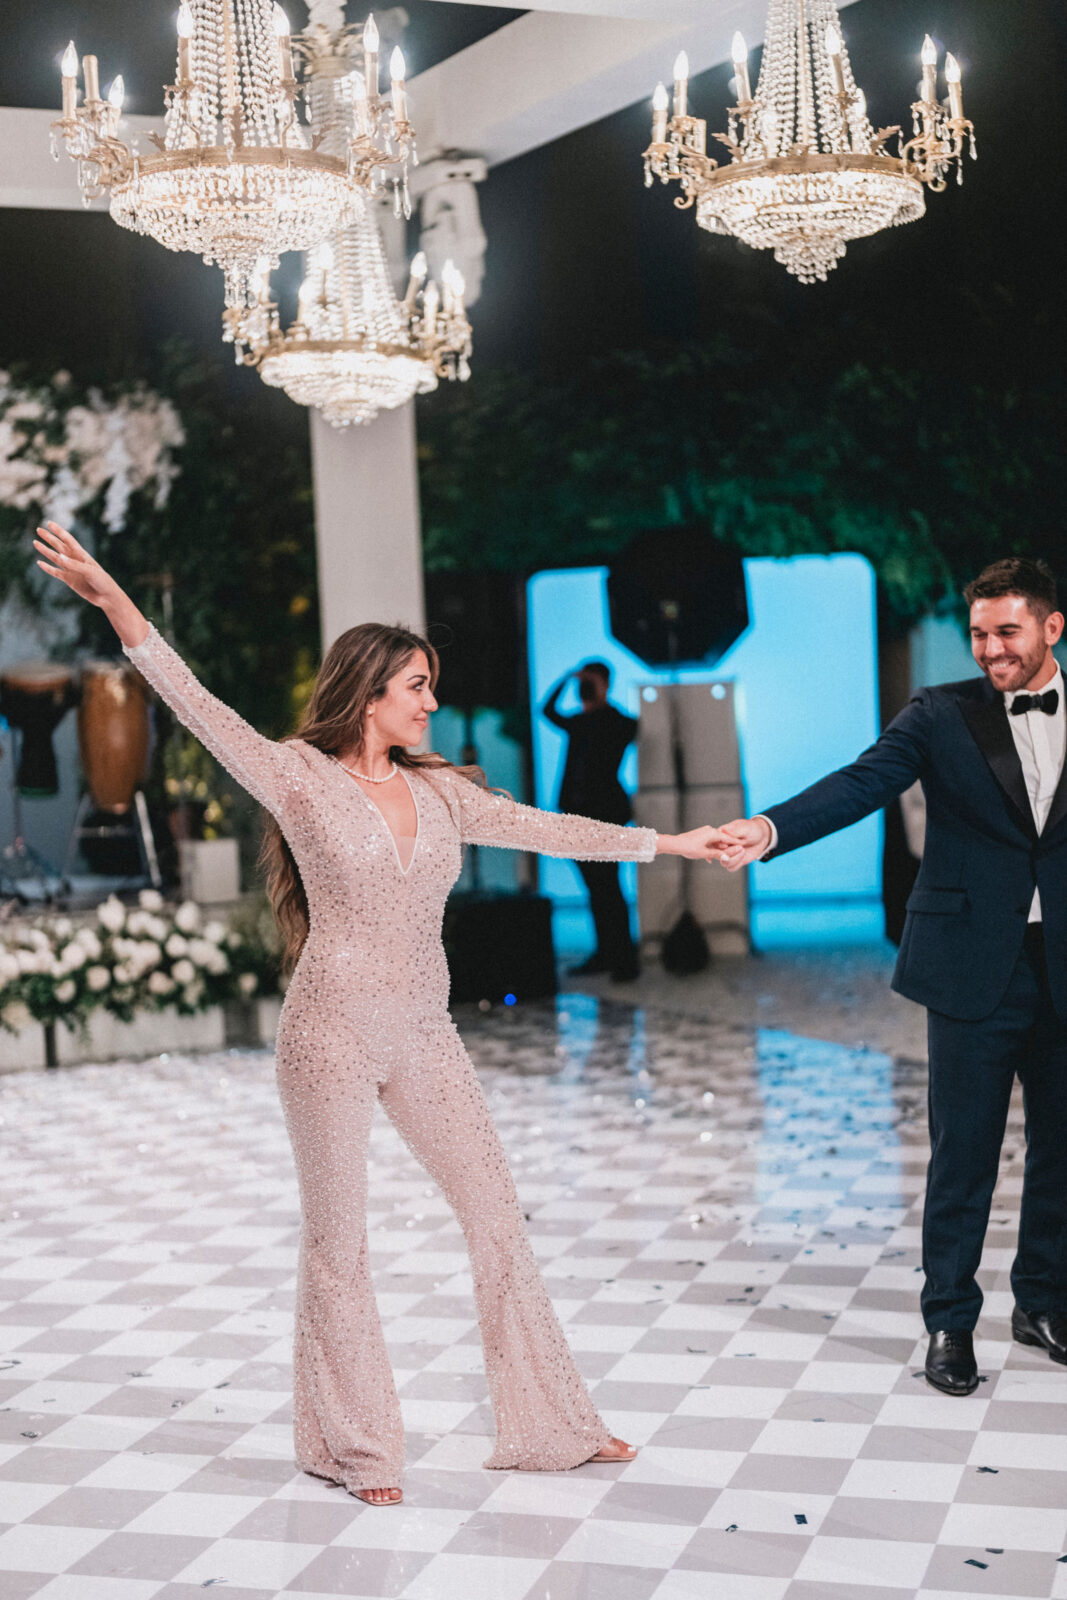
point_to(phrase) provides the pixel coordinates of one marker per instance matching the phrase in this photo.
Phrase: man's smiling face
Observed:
(1011, 644)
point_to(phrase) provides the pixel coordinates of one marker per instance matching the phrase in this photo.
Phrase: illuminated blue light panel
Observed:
(807, 701)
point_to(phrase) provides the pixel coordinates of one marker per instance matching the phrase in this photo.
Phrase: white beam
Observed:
(30, 178)
(550, 73)
(367, 522)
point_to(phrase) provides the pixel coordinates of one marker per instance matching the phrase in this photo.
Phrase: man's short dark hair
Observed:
(1033, 580)
(599, 669)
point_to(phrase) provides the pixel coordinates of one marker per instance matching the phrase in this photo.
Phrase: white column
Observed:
(367, 522)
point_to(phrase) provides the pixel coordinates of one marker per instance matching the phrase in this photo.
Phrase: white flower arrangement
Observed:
(57, 453)
(145, 957)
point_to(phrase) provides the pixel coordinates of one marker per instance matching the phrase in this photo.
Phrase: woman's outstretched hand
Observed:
(66, 560)
(699, 844)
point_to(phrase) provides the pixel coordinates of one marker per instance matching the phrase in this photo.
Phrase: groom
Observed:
(984, 947)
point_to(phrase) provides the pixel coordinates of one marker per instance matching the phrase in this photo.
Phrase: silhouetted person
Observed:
(597, 739)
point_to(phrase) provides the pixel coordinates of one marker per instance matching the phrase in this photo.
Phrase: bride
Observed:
(363, 845)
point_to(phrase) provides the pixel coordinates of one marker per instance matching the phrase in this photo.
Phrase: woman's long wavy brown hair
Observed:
(355, 671)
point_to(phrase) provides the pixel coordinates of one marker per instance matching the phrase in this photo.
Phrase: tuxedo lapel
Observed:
(988, 722)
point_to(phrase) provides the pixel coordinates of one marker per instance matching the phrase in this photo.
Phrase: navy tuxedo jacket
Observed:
(983, 857)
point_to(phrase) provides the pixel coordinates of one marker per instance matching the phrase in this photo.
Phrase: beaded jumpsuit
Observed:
(365, 1020)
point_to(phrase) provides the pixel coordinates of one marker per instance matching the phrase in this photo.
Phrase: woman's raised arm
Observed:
(271, 772)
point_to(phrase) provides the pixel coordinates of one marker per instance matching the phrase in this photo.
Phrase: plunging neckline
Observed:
(376, 808)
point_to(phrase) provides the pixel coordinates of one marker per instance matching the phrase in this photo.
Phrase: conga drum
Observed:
(113, 732)
(35, 696)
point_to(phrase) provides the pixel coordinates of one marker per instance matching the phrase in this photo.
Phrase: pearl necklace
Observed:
(362, 776)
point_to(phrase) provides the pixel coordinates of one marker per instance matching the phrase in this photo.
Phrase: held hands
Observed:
(744, 841)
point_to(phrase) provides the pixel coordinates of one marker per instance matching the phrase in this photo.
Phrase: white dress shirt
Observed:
(1040, 740)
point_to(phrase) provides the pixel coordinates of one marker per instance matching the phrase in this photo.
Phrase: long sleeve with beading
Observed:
(484, 817)
(271, 772)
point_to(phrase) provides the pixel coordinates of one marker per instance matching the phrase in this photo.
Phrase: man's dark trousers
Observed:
(972, 1069)
(611, 914)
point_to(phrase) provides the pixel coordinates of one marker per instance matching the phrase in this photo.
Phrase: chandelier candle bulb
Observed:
(69, 70)
(91, 69)
(928, 57)
(285, 44)
(681, 84)
(370, 56)
(397, 74)
(739, 56)
(660, 103)
(431, 300)
(186, 28)
(953, 77)
(416, 279)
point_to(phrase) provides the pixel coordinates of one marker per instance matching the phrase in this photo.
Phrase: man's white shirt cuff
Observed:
(760, 817)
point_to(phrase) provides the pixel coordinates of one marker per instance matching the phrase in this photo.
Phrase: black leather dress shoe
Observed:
(1045, 1328)
(950, 1363)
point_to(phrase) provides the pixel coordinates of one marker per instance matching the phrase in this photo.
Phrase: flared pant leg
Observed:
(545, 1419)
(346, 1416)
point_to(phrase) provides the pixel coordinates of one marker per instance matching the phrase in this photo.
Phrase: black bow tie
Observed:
(1036, 702)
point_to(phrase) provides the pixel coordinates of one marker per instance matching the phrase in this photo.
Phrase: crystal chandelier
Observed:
(354, 349)
(235, 176)
(807, 172)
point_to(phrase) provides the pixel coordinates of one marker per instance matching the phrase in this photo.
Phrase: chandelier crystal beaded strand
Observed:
(235, 176)
(807, 172)
(354, 349)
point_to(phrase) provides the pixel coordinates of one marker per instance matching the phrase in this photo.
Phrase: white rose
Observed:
(159, 983)
(66, 991)
(150, 900)
(176, 945)
(247, 983)
(137, 923)
(192, 994)
(126, 972)
(62, 928)
(98, 979)
(148, 954)
(27, 960)
(183, 971)
(16, 1015)
(38, 939)
(157, 928)
(215, 932)
(112, 914)
(89, 943)
(187, 917)
(200, 951)
(74, 956)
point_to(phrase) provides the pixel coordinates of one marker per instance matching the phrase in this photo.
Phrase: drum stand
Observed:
(119, 829)
(19, 861)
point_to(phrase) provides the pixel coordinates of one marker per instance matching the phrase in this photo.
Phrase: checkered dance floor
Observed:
(729, 1225)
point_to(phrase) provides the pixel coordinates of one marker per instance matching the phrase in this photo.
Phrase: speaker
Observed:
(675, 595)
(701, 719)
(472, 623)
(499, 944)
